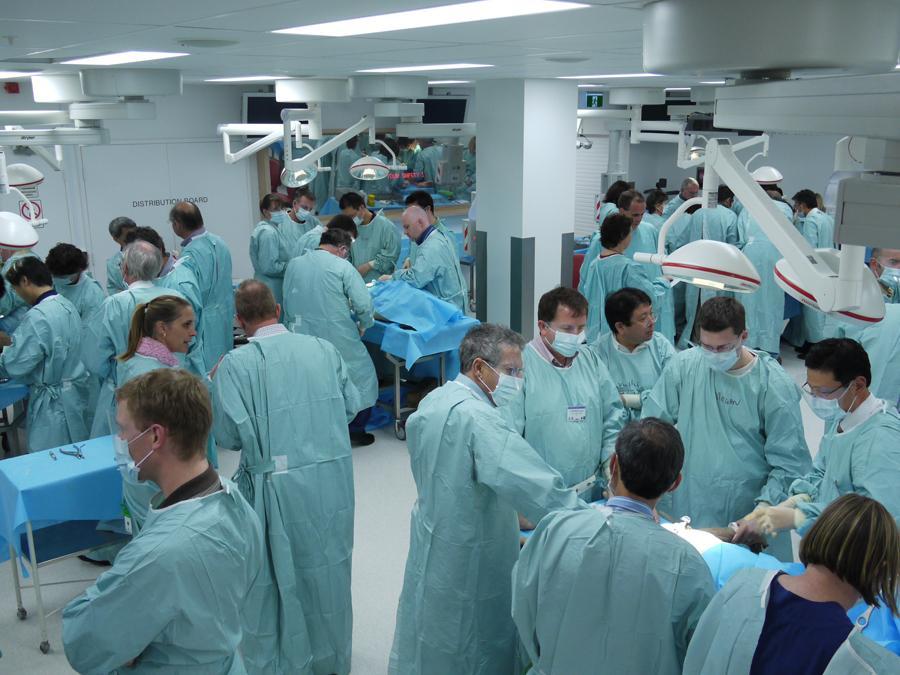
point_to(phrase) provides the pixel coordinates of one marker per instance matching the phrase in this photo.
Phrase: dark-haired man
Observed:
(609, 585)
(377, 244)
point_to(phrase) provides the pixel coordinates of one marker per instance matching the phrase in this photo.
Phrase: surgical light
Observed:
(444, 15)
(299, 177)
(417, 69)
(712, 264)
(16, 232)
(369, 168)
(118, 58)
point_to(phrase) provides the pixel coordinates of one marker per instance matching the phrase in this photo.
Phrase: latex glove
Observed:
(757, 512)
(631, 401)
(793, 500)
(385, 277)
(777, 518)
(748, 533)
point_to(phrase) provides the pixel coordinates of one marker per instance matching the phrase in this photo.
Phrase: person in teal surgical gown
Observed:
(568, 409)
(611, 271)
(739, 415)
(118, 229)
(175, 599)
(271, 247)
(436, 269)
(609, 585)
(882, 343)
(472, 473)
(763, 621)
(284, 401)
(818, 229)
(634, 354)
(208, 257)
(45, 355)
(377, 244)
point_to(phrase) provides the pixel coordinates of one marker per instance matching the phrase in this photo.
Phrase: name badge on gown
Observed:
(576, 413)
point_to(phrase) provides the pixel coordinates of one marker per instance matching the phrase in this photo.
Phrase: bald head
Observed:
(415, 221)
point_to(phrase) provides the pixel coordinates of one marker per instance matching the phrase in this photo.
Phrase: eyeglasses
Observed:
(718, 350)
(507, 370)
(889, 262)
(819, 392)
(646, 320)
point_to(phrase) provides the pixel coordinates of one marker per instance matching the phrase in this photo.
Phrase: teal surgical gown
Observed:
(87, 295)
(729, 630)
(570, 416)
(672, 206)
(175, 599)
(864, 460)
(764, 307)
(114, 280)
(882, 343)
(284, 401)
(326, 298)
(270, 252)
(472, 473)
(608, 591)
(378, 243)
(605, 276)
(743, 439)
(105, 336)
(437, 271)
(443, 229)
(208, 257)
(309, 241)
(818, 229)
(46, 355)
(635, 372)
(718, 224)
(12, 307)
(644, 239)
(428, 164)
(309, 223)
(606, 209)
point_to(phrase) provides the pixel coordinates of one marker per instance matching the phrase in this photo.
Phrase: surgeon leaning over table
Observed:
(44, 353)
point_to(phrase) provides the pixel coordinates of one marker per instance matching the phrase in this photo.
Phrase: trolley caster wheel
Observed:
(400, 430)
(45, 647)
(22, 613)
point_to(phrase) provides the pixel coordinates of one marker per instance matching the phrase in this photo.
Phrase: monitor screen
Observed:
(444, 110)
(264, 109)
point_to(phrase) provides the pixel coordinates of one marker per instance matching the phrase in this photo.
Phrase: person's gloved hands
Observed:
(385, 277)
(793, 500)
(777, 518)
(756, 512)
(747, 532)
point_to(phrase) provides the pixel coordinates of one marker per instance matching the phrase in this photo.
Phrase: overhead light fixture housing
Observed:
(712, 264)
(299, 177)
(613, 76)
(15, 74)
(16, 232)
(248, 78)
(591, 86)
(444, 15)
(118, 58)
(434, 82)
(419, 69)
(870, 309)
(23, 175)
(369, 168)
(713, 82)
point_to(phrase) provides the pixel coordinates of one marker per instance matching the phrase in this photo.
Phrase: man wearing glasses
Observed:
(738, 413)
(859, 451)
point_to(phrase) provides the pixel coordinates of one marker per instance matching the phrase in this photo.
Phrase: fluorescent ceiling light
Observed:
(118, 58)
(417, 69)
(607, 77)
(445, 15)
(713, 82)
(591, 86)
(15, 74)
(249, 78)
(678, 89)
(449, 81)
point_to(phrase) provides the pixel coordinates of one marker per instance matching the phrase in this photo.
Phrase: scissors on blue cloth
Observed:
(74, 453)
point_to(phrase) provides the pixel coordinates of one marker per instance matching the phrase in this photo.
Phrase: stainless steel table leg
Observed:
(45, 644)
(13, 564)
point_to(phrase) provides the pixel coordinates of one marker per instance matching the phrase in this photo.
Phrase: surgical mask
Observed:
(828, 409)
(126, 465)
(507, 387)
(357, 220)
(567, 344)
(278, 217)
(302, 214)
(891, 275)
(722, 361)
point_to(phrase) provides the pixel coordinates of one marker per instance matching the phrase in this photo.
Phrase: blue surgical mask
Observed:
(278, 217)
(828, 409)
(890, 276)
(302, 214)
(507, 388)
(357, 220)
(126, 465)
(567, 344)
(722, 361)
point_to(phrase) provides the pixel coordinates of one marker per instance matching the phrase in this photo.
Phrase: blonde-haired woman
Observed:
(764, 621)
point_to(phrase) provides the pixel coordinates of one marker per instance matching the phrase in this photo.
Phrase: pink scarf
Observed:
(155, 349)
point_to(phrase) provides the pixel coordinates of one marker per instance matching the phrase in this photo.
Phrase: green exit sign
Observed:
(595, 100)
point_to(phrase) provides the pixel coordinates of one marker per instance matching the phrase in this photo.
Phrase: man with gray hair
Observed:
(105, 335)
(473, 472)
(436, 267)
(118, 229)
(690, 188)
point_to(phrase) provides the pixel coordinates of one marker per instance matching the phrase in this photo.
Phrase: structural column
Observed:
(526, 196)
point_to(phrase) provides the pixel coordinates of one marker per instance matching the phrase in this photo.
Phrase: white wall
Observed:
(806, 161)
(147, 166)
